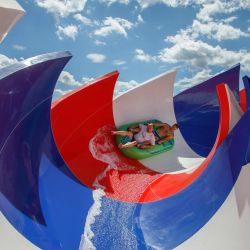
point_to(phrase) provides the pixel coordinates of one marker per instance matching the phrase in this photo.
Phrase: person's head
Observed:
(150, 128)
(175, 126)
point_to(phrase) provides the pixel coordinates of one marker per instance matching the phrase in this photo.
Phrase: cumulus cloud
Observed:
(219, 30)
(59, 93)
(119, 62)
(211, 8)
(208, 8)
(86, 79)
(6, 61)
(139, 20)
(122, 87)
(68, 79)
(114, 25)
(62, 8)
(84, 20)
(201, 54)
(140, 55)
(99, 43)
(70, 31)
(109, 2)
(19, 47)
(96, 58)
(171, 3)
(199, 77)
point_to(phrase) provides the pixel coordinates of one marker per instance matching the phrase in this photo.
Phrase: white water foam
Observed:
(109, 225)
(95, 210)
(103, 149)
(128, 182)
(101, 217)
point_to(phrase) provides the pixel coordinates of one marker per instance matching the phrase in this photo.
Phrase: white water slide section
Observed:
(229, 227)
(10, 13)
(154, 100)
(11, 239)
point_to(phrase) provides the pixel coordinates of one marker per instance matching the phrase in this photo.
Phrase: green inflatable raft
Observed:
(137, 153)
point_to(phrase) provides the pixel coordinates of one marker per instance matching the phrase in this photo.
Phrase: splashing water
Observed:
(104, 230)
(102, 221)
(126, 180)
(95, 210)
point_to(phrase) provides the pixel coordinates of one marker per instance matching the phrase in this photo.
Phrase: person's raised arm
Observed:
(165, 139)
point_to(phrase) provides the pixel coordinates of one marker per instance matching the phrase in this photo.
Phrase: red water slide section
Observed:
(243, 100)
(81, 125)
(169, 184)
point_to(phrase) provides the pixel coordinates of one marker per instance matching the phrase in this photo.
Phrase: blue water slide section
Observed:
(65, 205)
(198, 107)
(25, 87)
(40, 201)
(167, 223)
(44, 202)
(246, 81)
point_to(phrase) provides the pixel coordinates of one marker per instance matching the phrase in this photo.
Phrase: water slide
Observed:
(65, 185)
(10, 13)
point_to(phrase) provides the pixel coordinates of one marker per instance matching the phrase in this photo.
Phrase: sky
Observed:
(139, 38)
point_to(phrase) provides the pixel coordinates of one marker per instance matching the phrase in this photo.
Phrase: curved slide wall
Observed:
(115, 173)
(62, 209)
(154, 100)
(10, 13)
(11, 239)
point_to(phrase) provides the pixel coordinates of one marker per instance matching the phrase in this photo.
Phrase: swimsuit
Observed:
(156, 134)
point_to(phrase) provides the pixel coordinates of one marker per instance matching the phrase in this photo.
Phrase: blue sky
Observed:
(139, 38)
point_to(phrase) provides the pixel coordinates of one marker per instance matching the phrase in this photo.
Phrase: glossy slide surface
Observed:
(45, 202)
(32, 173)
(154, 100)
(10, 13)
(167, 185)
(90, 143)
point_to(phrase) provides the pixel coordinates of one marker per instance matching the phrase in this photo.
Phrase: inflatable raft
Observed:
(137, 153)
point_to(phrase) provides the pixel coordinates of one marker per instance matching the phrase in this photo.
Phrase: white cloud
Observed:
(122, 87)
(96, 58)
(59, 92)
(109, 2)
(140, 55)
(119, 62)
(230, 19)
(62, 8)
(139, 20)
(219, 30)
(199, 77)
(19, 47)
(114, 25)
(99, 43)
(83, 19)
(68, 79)
(201, 54)
(208, 7)
(70, 31)
(86, 79)
(211, 8)
(6, 61)
(171, 3)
